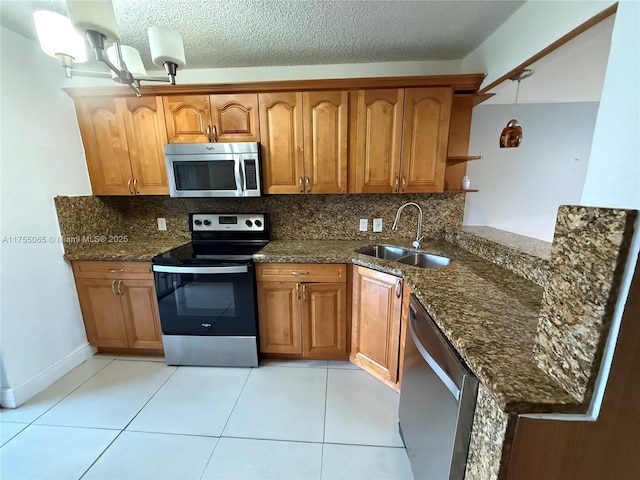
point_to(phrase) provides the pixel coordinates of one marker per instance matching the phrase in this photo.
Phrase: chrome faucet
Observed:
(416, 243)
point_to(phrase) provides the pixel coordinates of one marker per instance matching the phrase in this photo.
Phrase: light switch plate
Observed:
(364, 224)
(162, 223)
(377, 225)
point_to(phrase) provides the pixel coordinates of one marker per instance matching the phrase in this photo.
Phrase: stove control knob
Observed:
(258, 223)
(198, 222)
(207, 222)
(249, 223)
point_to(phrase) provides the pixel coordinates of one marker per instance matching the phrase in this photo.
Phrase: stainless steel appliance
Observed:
(437, 401)
(206, 291)
(214, 169)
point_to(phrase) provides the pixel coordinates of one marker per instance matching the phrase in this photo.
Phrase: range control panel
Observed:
(221, 222)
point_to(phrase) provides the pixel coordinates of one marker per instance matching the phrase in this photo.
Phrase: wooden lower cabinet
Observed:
(376, 314)
(302, 310)
(118, 304)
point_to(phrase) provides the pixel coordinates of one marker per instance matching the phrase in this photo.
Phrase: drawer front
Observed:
(301, 272)
(120, 270)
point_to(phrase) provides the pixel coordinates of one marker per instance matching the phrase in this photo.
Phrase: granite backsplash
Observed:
(303, 217)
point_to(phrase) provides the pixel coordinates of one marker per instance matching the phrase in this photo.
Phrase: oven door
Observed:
(207, 300)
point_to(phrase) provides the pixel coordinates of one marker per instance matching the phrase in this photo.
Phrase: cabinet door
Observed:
(325, 141)
(377, 137)
(105, 145)
(427, 112)
(281, 132)
(377, 301)
(140, 310)
(279, 317)
(102, 312)
(146, 136)
(235, 118)
(324, 320)
(188, 118)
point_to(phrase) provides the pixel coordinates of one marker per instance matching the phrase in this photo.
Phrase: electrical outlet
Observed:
(162, 223)
(364, 224)
(377, 225)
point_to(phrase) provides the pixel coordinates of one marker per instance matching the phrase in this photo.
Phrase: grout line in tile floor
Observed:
(129, 423)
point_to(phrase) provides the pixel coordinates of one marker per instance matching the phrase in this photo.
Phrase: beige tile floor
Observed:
(117, 417)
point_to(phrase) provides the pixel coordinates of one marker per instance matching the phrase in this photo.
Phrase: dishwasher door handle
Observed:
(437, 369)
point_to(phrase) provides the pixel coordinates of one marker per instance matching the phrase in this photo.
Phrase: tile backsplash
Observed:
(304, 217)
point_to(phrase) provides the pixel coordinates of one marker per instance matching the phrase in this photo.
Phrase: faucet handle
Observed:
(416, 242)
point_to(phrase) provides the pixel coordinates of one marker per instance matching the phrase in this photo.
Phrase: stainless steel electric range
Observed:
(206, 291)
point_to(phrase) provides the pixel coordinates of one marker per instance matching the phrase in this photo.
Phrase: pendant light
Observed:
(511, 135)
(96, 20)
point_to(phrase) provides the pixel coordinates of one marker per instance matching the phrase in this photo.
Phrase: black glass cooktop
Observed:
(192, 254)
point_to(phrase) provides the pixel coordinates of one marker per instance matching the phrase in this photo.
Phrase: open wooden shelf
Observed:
(459, 191)
(462, 158)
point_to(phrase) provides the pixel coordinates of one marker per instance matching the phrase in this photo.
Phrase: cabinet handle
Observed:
(300, 185)
(299, 273)
(297, 290)
(397, 184)
(307, 185)
(209, 133)
(398, 288)
(404, 184)
(129, 186)
(113, 287)
(135, 186)
(215, 133)
(119, 286)
(116, 270)
(304, 292)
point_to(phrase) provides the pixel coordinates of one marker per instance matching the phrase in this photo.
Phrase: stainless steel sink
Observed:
(385, 252)
(425, 260)
(408, 257)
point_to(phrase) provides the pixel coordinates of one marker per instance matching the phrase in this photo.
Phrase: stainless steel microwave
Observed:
(214, 169)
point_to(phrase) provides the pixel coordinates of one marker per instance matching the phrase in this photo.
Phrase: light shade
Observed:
(57, 36)
(95, 15)
(131, 58)
(511, 135)
(166, 46)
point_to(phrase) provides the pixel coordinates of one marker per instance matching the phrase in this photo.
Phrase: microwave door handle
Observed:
(237, 171)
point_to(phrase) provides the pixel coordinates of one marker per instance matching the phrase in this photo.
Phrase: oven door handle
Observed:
(231, 269)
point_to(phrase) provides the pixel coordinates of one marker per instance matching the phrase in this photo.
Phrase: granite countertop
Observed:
(489, 315)
(133, 251)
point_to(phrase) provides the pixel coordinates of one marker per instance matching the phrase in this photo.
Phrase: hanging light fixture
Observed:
(511, 135)
(96, 20)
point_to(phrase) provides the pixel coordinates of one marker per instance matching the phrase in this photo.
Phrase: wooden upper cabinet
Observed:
(188, 118)
(376, 141)
(146, 136)
(235, 118)
(105, 145)
(281, 133)
(325, 141)
(212, 118)
(427, 113)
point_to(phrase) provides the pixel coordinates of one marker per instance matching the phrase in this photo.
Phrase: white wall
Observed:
(522, 188)
(613, 177)
(533, 27)
(41, 328)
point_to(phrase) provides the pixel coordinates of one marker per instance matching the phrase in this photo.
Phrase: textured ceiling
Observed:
(243, 33)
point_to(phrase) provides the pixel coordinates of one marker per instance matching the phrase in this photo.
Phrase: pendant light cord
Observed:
(516, 104)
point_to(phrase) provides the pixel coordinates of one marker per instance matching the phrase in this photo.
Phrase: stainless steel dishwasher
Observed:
(437, 401)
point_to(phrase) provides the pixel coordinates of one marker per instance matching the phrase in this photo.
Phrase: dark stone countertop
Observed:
(489, 315)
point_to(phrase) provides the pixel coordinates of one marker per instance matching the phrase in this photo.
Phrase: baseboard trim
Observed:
(14, 397)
